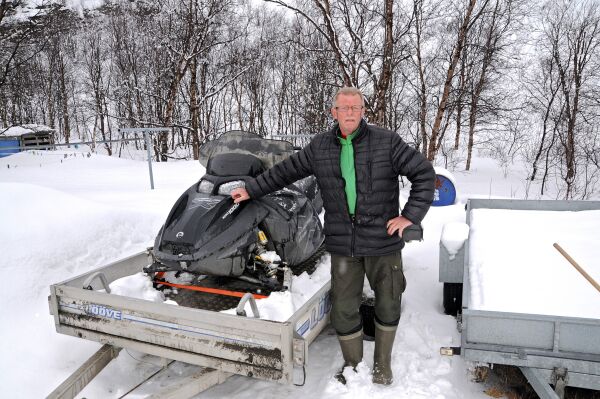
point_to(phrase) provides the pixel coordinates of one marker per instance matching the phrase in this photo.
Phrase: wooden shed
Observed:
(20, 138)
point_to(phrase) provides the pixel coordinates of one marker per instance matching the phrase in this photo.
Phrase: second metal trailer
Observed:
(557, 350)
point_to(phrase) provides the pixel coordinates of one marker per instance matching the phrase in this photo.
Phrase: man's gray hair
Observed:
(348, 91)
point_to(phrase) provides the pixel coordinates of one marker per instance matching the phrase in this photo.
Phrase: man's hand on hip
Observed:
(397, 224)
(239, 194)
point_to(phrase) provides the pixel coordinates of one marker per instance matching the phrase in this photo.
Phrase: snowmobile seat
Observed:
(235, 164)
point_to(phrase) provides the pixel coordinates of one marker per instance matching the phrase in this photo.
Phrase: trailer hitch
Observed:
(450, 350)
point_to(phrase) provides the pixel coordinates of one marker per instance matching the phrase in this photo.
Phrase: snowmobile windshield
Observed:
(268, 151)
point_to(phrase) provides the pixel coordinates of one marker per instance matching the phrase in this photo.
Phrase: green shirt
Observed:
(348, 172)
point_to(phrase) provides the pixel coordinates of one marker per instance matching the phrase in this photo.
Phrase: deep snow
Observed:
(64, 213)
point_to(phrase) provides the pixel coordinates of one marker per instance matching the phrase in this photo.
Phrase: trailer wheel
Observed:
(452, 298)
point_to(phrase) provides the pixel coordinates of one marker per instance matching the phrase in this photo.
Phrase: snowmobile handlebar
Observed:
(218, 181)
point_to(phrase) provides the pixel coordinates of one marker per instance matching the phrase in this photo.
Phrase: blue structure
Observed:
(9, 145)
(445, 192)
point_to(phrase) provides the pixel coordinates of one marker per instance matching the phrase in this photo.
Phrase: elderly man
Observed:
(357, 167)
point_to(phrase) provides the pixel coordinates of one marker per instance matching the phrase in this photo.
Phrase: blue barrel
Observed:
(9, 146)
(445, 192)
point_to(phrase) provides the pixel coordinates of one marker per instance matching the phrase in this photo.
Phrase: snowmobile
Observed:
(262, 241)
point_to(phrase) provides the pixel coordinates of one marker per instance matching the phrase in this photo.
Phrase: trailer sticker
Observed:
(93, 309)
(103, 311)
(318, 312)
(303, 328)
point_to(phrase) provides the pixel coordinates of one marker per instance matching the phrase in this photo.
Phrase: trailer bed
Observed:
(263, 349)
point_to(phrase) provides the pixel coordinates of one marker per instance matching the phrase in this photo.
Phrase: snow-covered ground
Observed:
(64, 213)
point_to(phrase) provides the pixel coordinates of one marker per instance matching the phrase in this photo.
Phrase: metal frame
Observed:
(252, 347)
(146, 131)
(549, 349)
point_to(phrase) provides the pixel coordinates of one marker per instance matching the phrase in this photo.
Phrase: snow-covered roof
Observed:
(24, 129)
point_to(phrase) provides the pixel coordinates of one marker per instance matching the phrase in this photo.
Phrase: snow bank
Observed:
(50, 230)
(48, 236)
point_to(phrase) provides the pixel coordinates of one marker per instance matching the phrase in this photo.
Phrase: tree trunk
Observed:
(490, 48)
(471, 131)
(379, 106)
(544, 133)
(194, 107)
(459, 104)
(462, 33)
(417, 11)
(64, 98)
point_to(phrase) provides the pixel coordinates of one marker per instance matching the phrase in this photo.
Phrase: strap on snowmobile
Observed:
(217, 291)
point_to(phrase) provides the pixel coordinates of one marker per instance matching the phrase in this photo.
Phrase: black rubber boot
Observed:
(382, 361)
(352, 351)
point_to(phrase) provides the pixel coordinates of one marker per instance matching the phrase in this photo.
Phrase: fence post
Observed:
(147, 138)
(146, 131)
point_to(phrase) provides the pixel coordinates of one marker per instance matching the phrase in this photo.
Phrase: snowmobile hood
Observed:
(201, 224)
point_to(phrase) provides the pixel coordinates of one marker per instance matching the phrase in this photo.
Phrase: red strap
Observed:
(210, 290)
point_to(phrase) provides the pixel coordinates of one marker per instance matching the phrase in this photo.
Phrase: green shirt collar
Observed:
(348, 138)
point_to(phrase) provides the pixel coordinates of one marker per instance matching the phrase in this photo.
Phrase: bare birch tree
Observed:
(569, 68)
(366, 40)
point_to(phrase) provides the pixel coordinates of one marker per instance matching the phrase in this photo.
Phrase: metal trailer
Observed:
(225, 344)
(562, 351)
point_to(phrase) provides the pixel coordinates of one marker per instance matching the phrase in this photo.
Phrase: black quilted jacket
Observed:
(380, 156)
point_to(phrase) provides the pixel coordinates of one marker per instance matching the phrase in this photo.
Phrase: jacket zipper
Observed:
(353, 235)
(353, 217)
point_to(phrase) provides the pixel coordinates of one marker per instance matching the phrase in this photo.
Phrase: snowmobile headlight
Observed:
(205, 187)
(227, 188)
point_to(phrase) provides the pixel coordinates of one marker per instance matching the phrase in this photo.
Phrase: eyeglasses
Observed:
(346, 108)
